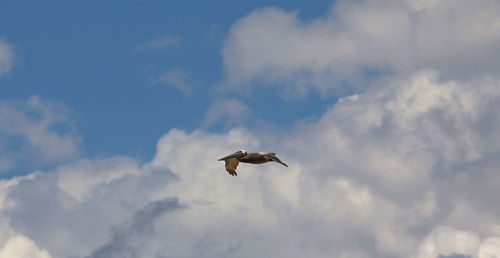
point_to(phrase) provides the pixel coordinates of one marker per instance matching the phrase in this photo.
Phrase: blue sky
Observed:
(113, 116)
(92, 56)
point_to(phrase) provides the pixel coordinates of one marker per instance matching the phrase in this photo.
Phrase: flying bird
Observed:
(234, 159)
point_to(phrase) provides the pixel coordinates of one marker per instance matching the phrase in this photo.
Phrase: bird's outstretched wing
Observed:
(231, 165)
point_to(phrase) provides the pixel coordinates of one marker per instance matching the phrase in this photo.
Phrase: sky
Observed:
(113, 116)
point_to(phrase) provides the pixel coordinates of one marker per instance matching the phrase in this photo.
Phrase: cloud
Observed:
(407, 167)
(6, 57)
(85, 175)
(126, 238)
(161, 43)
(360, 40)
(22, 247)
(449, 242)
(68, 219)
(373, 171)
(388, 172)
(231, 111)
(490, 247)
(176, 78)
(36, 132)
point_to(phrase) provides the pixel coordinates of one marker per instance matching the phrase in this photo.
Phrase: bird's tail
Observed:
(279, 161)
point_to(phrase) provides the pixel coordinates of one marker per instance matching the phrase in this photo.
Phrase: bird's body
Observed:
(234, 159)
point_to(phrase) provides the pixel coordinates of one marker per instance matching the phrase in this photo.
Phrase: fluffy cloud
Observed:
(6, 57)
(417, 143)
(70, 219)
(358, 40)
(127, 238)
(36, 132)
(22, 247)
(446, 241)
(490, 248)
(407, 168)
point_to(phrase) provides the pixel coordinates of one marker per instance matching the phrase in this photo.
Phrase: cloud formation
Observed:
(82, 202)
(126, 239)
(6, 57)
(36, 132)
(357, 40)
(407, 167)
(22, 247)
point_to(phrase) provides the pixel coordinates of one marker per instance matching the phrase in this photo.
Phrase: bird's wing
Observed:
(231, 165)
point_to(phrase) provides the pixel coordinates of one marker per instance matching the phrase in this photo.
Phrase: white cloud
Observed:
(79, 179)
(377, 175)
(176, 78)
(362, 39)
(406, 168)
(126, 238)
(447, 241)
(6, 57)
(70, 222)
(405, 128)
(375, 170)
(36, 132)
(22, 247)
(490, 248)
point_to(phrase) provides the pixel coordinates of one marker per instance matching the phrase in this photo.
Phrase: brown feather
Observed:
(231, 165)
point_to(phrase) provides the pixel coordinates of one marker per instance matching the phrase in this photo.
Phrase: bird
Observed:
(234, 159)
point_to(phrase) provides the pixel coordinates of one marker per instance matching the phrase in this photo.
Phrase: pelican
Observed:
(234, 159)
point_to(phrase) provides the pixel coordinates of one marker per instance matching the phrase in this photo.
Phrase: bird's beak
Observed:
(234, 155)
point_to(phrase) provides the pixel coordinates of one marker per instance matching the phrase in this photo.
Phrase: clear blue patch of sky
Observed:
(87, 55)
